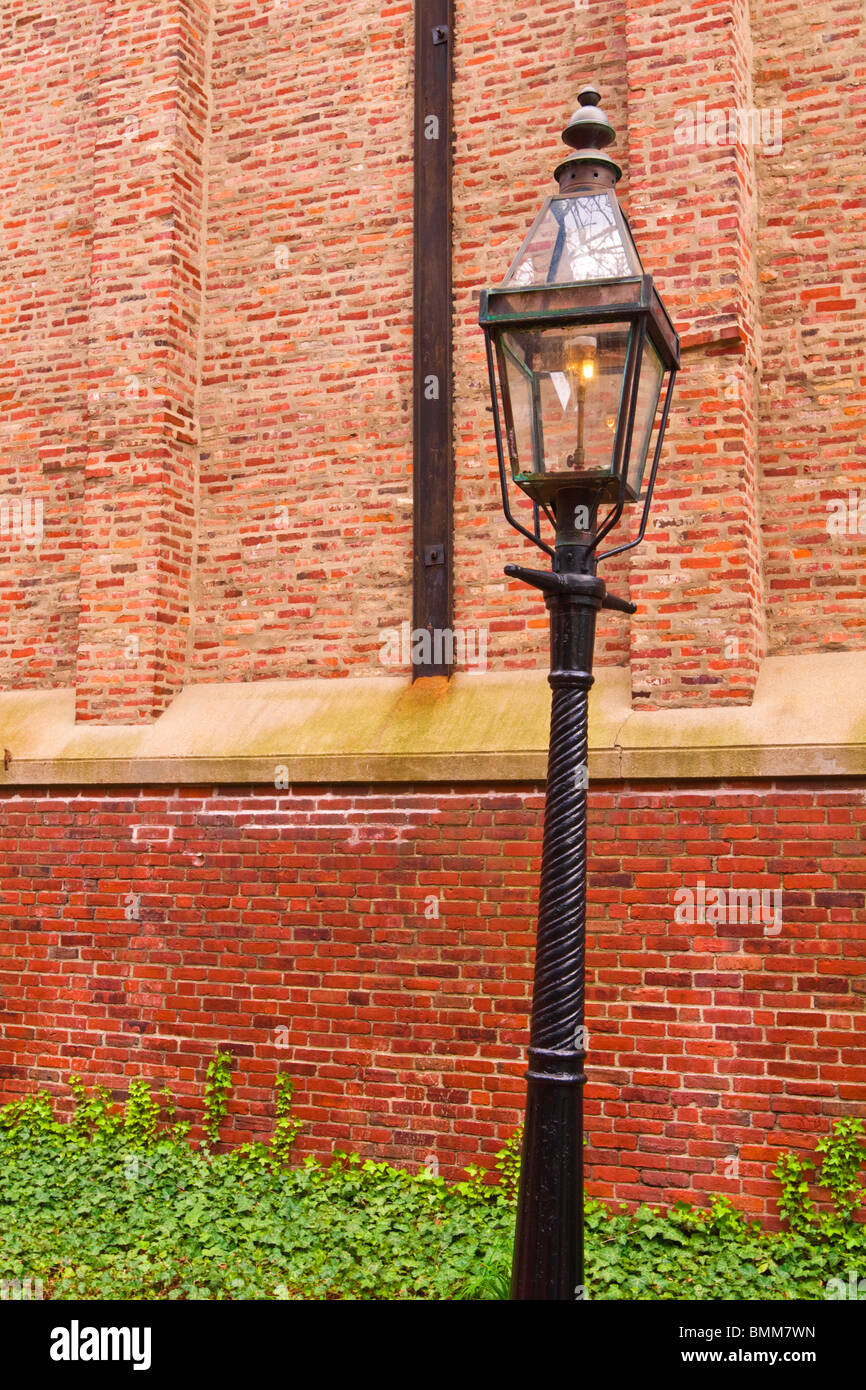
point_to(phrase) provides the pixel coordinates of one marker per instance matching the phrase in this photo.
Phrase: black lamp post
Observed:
(581, 345)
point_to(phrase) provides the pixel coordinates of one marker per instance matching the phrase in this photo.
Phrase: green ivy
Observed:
(141, 1121)
(795, 1204)
(218, 1084)
(507, 1165)
(116, 1203)
(842, 1157)
(287, 1126)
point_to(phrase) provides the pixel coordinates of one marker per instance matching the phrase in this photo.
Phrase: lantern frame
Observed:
(629, 299)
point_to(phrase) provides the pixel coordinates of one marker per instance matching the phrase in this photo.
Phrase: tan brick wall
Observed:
(139, 522)
(48, 65)
(811, 255)
(248, 514)
(305, 532)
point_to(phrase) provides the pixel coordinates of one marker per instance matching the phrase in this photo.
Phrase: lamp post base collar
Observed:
(556, 1066)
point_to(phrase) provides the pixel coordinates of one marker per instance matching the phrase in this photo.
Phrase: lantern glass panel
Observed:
(562, 394)
(575, 238)
(651, 375)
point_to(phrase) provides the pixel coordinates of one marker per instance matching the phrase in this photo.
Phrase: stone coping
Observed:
(807, 719)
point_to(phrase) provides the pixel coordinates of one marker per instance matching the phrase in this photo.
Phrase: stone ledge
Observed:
(808, 719)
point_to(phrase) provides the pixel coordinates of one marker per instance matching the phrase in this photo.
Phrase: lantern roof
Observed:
(576, 237)
(581, 233)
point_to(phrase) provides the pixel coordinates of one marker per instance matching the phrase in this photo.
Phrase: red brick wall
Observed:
(312, 912)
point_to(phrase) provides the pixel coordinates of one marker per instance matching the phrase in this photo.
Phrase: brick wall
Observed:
(206, 339)
(140, 930)
(144, 330)
(810, 254)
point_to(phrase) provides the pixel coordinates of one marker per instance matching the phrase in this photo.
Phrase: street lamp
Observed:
(581, 346)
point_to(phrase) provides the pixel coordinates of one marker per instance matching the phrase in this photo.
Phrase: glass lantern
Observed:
(579, 341)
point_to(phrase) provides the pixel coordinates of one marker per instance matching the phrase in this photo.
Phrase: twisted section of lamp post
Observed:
(558, 998)
(548, 1246)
